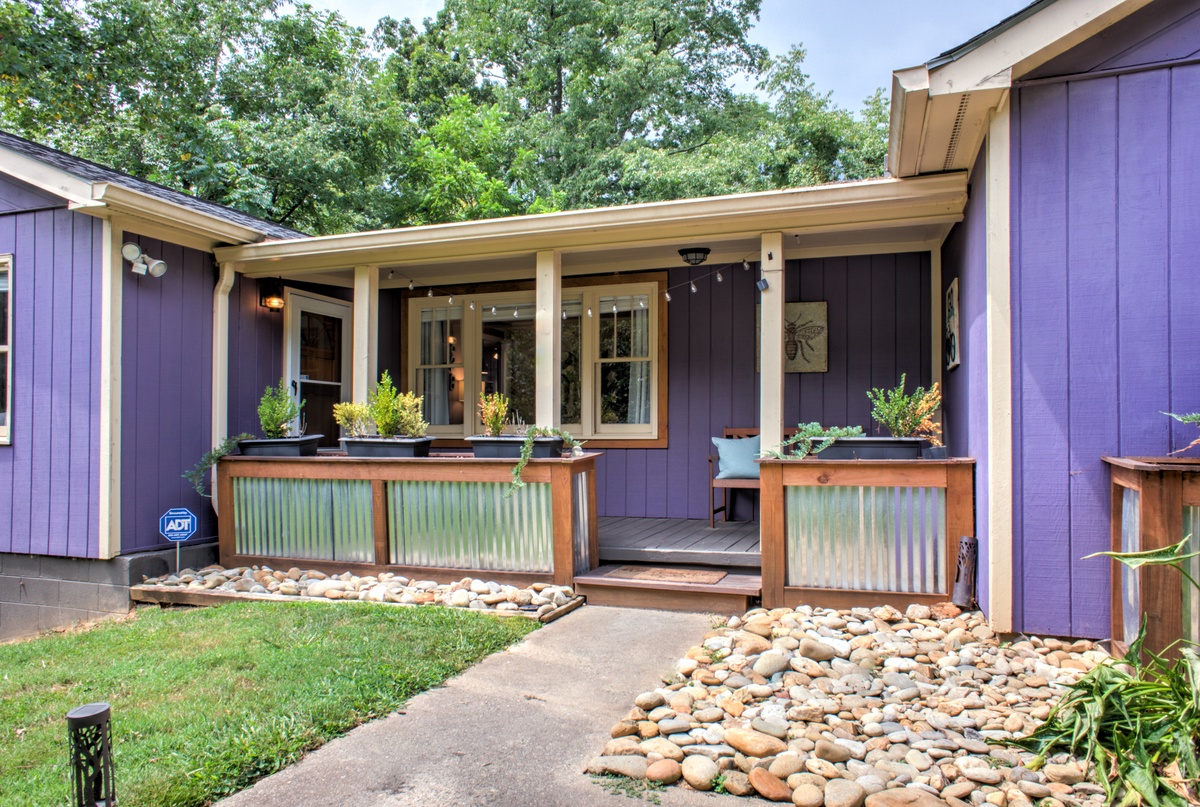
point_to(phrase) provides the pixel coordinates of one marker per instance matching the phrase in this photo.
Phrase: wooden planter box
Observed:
(1155, 503)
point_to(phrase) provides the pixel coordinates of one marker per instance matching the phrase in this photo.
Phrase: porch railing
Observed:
(1155, 504)
(841, 533)
(429, 517)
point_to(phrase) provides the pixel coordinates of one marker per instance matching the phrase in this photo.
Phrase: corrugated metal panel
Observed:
(471, 525)
(304, 519)
(1131, 541)
(580, 537)
(1191, 597)
(867, 538)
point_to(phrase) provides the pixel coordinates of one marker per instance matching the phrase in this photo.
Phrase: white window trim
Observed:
(6, 262)
(472, 326)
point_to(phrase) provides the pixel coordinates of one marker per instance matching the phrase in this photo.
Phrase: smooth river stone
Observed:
(699, 772)
(754, 743)
(769, 786)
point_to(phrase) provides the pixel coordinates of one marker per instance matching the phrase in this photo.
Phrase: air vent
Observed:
(956, 132)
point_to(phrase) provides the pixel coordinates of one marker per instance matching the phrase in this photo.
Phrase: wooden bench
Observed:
(726, 486)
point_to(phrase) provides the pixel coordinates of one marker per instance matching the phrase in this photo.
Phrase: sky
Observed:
(853, 45)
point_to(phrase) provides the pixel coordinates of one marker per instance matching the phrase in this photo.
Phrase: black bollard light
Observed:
(90, 735)
(965, 575)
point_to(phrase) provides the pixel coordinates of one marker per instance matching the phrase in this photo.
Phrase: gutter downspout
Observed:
(220, 365)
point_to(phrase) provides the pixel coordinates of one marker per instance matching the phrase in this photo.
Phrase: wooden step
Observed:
(733, 594)
(699, 557)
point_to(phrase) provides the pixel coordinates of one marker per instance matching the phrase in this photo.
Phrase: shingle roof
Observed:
(991, 33)
(94, 172)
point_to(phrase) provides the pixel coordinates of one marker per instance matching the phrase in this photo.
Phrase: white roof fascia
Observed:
(910, 99)
(77, 192)
(866, 202)
(1053, 30)
(160, 213)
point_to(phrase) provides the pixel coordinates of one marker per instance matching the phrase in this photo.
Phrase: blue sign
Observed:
(177, 524)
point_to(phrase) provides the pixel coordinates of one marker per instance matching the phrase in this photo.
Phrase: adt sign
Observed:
(177, 524)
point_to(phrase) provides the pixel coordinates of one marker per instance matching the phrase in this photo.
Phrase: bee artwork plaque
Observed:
(805, 337)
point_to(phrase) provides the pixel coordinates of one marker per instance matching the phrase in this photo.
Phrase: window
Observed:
(486, 342)
(5, 343)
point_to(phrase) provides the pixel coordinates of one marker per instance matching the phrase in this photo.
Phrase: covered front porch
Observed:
(591, 320)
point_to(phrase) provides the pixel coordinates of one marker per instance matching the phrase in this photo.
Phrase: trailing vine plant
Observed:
(801, 444)
(198, 476)
(531, 433)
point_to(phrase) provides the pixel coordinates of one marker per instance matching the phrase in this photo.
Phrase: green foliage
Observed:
(277, 410)
(493, 413)
(198, 476)
(409, 407)
(207, 700)
(354, 418)
(381, 402)
(492, 108)
(1135, 720)
(531, 433)
(801, 444)
(638, 789)
(1193, 417)
(908, 415)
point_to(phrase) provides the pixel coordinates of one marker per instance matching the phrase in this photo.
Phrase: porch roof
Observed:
(884, 215)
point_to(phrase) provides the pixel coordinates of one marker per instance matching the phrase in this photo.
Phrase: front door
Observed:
(317, 361)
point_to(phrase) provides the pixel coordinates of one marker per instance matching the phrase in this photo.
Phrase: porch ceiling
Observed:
(843, 219)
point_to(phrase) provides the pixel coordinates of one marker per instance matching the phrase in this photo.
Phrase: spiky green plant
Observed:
(355, 418)
(801, 444)
(908, 415)
(277, 410)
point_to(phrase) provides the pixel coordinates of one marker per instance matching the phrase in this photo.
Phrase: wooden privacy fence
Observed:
(1155, 504)
(841, 533)
(430, 517)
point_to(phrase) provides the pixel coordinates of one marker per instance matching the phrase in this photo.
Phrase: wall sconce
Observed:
(270, 295)
(142, 263)
(694, 255)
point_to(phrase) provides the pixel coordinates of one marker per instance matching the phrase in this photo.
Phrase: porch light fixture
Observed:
(140, 262)
(270, 295)
(694, 255)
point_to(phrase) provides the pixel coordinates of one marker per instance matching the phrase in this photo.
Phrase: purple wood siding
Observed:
(166, 390)
(256, 348)
(1106, 194)
(879, 322)
(18, 197)
(964, 256)
(48, 479)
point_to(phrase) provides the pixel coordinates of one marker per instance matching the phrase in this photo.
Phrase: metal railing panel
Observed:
(580, 521)
(286, 518)
(1191, 597)
(470, 525)
(1131, 541)
(866, 538)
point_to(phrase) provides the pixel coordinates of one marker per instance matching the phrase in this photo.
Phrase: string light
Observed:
(472, 305)
(614, 308)
(694, 289)
(745, 265)
(430, 294)
(450, 300)
(493, 311)
(410, 285)
(564, 316)
(720, 277)
(514, 313)
(589, 312)
(391, 273)
(667, 294)
(641, 302)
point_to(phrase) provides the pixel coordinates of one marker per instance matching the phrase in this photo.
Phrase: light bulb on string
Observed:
(614, 308)
(472, 305)
(410, 285)
(745, 266)
(641, 302)
(564, 315)
(493, 311)
(694, 289)
(430, 294)
(450, 300)
(720, 277)
(514, 313)
(667, 295)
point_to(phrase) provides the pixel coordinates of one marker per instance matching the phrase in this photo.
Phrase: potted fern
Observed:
(396, 416)
(277, 411)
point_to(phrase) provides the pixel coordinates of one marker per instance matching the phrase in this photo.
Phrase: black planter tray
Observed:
(508, 447)
(305, 446)
(386, 446)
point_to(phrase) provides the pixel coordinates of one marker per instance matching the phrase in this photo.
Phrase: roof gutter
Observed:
(163, 214)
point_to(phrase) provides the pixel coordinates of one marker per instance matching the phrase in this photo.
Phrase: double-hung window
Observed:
(5, 348)
(486, 342)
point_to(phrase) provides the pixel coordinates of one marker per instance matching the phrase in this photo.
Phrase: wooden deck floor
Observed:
(679, 540)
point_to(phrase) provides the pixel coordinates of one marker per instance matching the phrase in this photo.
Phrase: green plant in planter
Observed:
(532, 432)
(801, 443)
(277, 410)
(410, 420)
(493, 413)
(354, 418)
(1136, 721)
(381, 403)
(1193, 417)
(908, 415)
(198, 475)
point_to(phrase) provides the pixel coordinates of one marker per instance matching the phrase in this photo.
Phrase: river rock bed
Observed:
(864, 706)
(538, 599)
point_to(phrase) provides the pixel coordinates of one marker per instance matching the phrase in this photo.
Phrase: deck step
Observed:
(735, 593)
(699, 557)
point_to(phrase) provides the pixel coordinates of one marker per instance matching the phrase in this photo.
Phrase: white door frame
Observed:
(296, 302)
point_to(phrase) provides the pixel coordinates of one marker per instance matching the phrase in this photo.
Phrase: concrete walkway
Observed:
(516, 729)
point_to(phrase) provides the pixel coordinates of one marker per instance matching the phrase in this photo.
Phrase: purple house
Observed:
(1040, 178)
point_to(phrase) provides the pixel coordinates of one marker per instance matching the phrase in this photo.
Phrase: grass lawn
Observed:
(206, 701)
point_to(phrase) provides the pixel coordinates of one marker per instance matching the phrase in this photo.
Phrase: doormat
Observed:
(662, 575)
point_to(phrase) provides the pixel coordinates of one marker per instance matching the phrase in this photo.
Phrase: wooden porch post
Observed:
(366, 330)
(770, 420)
(548, 361)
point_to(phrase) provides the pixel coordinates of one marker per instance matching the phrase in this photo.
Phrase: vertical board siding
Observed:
(166, 390)
(1106, 190)
(19, 197)
(879, 320)
(965, 388)
(48, 475)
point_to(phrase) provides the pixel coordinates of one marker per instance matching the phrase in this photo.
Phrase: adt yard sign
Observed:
(177, 524)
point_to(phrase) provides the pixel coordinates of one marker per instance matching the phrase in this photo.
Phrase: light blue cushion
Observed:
(737, 457)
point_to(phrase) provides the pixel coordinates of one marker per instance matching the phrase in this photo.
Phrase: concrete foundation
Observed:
(41, 593)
